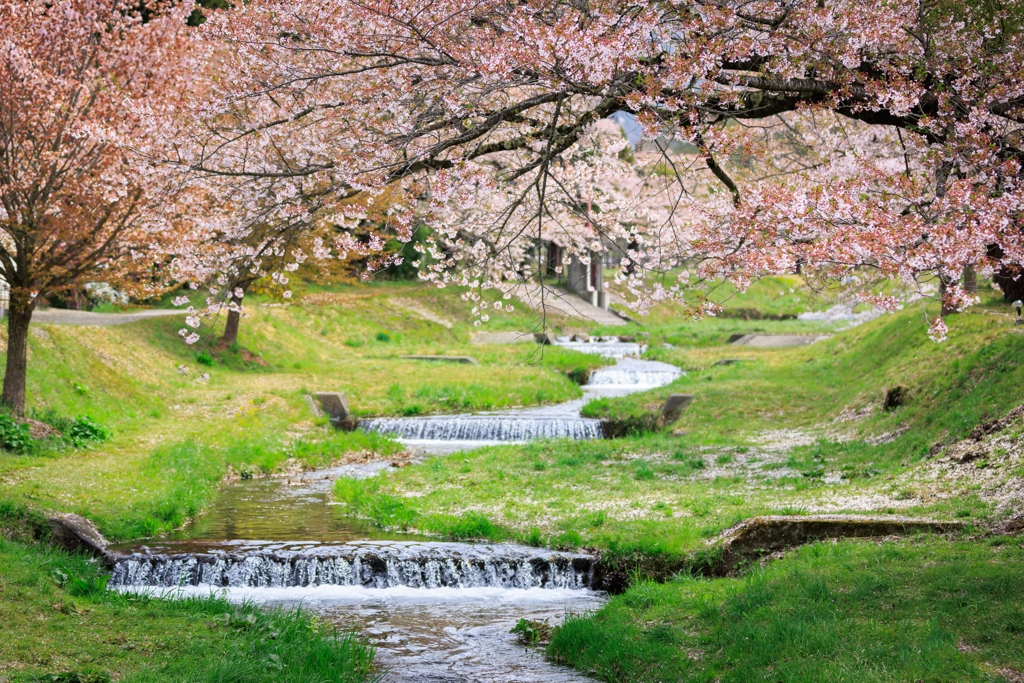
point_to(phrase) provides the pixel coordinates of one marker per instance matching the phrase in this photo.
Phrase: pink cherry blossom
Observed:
(839, 137)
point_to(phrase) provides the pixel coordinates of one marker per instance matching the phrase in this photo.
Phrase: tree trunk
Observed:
(1011, 283)
(230, 335)
(970, 279)
(947, 308)
(18, 319)
(1007, 278)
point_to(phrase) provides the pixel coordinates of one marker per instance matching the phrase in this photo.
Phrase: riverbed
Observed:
(435, 611)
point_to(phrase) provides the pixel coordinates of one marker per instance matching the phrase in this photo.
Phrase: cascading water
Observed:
(634, 375)
(380, 564)
(435, 611)
(444, 433)
(609, 348)
(493, 428)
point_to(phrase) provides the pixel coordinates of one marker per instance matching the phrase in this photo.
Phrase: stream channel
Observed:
(435, 611)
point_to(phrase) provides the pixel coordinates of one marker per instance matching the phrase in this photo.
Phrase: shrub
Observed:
(91, 587)
(579, 375)
(204, 358)
(14, 436)
(84, 429)
(78, 430)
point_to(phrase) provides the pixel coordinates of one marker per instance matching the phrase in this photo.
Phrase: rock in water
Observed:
(75, 533)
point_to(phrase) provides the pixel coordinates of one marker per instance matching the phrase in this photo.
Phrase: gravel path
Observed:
(59, 316)
(564, 303)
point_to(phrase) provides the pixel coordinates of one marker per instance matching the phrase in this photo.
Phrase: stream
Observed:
(436, 611)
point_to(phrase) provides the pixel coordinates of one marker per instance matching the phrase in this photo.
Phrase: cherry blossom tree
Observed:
(488, 107)
(82, 80)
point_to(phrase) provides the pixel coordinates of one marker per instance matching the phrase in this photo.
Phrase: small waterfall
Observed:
(371, 565)
(639, 378)
(634, 375)
(484, 427)
(608, 349)
(436, 433)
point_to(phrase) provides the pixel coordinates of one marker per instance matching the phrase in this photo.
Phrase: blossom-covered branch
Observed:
(444, 112)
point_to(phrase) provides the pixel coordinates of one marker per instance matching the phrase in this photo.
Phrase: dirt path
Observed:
(59, 316)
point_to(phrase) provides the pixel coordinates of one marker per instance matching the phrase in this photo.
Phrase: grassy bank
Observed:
(949, 387)
(61, 624)
(924, 610)
(784, 431)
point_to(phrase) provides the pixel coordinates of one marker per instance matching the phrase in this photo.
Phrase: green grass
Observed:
(919, 610)
(768, 435)
(364, 498)
(952, 386)
(173, 436)
(59, 620)
(758, 309)
(653, 509)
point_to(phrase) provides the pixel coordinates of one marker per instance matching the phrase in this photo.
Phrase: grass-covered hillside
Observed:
(925, 610)
(174, 432)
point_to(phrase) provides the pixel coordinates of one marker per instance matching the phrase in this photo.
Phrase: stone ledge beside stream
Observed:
(759, 537)
(76, 534)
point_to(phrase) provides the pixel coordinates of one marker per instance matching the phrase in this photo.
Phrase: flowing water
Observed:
(436, 611)
(446, 433)
(609, 348)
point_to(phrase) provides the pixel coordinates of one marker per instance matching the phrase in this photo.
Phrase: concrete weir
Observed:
(370, 564)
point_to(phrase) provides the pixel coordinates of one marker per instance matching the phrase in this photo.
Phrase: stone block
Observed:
(335, 406)
(759, 536)
(674, 407)
(76, 534)
(314, 407)
(544, 338)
